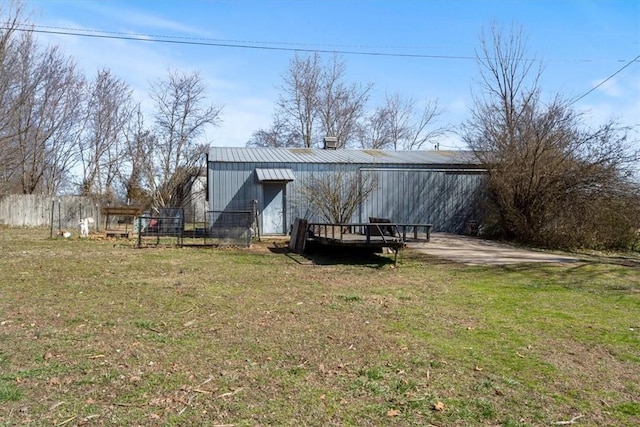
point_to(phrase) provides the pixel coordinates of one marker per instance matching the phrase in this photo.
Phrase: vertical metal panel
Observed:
(445, 198)
(232, 187)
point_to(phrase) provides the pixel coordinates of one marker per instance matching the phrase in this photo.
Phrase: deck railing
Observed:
(388, 232)
(416, 228)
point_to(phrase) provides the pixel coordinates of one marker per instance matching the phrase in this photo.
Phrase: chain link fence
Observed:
(235, 228)
(166, 227)
(220, 228)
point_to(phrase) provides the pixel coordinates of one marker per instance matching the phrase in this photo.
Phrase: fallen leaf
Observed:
(477, 368)
(439, 406)
(47, 356)
(393, 413)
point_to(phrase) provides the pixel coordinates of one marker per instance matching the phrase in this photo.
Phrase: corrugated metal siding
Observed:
(446, 199)
(276, 174)
(231, 187)
(407, 192)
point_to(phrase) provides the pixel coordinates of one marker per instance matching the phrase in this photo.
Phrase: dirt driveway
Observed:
(474, 251)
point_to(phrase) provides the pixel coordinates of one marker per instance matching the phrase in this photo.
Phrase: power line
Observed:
(248, 44)
(253, 42)
(240, 45)
(260, 45)
(605, 80)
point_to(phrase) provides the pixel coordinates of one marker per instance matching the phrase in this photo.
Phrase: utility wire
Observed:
(246, 44)
(252, 42)
(156, 39)
(605, 80)
(257, 46)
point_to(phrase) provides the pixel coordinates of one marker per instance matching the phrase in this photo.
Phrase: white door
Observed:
(273, 210)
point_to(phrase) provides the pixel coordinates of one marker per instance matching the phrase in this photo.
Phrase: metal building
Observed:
(443, 188)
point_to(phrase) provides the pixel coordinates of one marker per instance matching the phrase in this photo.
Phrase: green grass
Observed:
(98, 331)
(9, 392)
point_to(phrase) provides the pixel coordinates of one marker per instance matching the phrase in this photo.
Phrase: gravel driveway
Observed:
(475, 251)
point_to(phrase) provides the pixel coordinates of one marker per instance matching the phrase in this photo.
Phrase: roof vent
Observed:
(330, 143)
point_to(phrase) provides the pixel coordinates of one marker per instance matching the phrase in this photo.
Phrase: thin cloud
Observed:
(130, 16)
(610, 88)
(157, 23)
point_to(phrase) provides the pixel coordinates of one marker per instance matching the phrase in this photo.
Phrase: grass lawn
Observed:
(98, 332)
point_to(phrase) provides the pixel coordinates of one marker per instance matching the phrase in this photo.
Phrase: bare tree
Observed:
(12, 16)
(340, 105)
(108, 111)
(315, 101)
(400, 124)
(280, 134)
(546, 168)
(55, 109)
(399, 115)
(422, 130)
(181, 116)
(373, 133)
(139, 143)
(40, 91)
(299, 95)
(336, 196)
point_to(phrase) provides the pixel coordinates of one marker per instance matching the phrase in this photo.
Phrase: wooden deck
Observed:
(368, 237)
(359, 241)
(371, 236)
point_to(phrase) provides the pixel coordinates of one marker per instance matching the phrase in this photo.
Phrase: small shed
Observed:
(443, 188)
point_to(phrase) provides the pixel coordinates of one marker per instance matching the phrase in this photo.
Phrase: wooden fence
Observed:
(60, 213)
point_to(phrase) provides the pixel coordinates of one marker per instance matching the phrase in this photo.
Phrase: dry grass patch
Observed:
(99, 332)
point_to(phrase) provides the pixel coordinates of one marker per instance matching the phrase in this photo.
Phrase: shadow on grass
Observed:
(335, 256)
(599, 276)
(625, 261)
(412, 255)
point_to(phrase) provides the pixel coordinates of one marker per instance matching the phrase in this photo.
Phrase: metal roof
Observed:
(275, 175)
(311, 155)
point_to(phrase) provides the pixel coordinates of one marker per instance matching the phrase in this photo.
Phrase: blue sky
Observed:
(581, 43)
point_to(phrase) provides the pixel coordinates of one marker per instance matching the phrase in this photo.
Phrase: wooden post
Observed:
(53, 206)
(298, 239)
